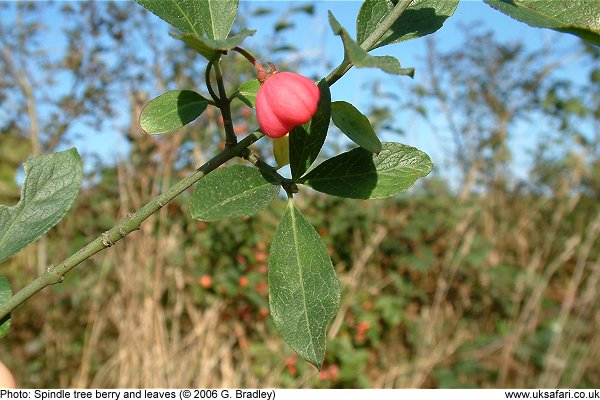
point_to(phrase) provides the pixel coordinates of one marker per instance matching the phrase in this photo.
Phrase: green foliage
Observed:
(50, 187)
(5, 294)
(360, 174)
(247, 92)
(212, 19)
(361, 59)
(304, 294)
(578, 17)
(171, 111)
(421, 18)
(306, 141)
(208, 47)
(233, 191)
(355, 125)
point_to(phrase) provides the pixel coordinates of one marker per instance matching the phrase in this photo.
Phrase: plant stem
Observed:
(211, 91)
(55, 273)
(267, 169)
(224, 105)
(250, 57)
(371, 40)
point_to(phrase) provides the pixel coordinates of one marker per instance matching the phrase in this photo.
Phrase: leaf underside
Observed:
(578, 17)
(361, 59)
(212, 19)
(421, 18)
(50, 187)
(233, 191)
(5, 295)
(171, 111)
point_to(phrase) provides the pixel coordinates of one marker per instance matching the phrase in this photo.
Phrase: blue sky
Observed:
(317, 38)
(314, 39)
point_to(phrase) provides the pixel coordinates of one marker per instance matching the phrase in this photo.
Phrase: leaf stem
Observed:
(286, 183)
(371, 40)
(55, 273)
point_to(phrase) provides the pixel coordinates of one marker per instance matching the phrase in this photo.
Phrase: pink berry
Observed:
(285, 100)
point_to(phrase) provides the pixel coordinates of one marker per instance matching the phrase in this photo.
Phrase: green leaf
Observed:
(50, 187)
(304, 294)
(361, 59)
(208, 47)
(355, 125)
(360, 174)
(306, 141)
(233, 191)
(210, 18)
(5, 295)
(247, 92)
(578, 17)
(421, 18)
(171, 111)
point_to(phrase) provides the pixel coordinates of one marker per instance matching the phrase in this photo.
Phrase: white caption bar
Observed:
(293, 394)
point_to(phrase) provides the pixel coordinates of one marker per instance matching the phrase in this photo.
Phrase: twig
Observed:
(55, 273)
(371, 40)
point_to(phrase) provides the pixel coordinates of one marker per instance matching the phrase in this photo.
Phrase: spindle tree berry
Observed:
(285, 100)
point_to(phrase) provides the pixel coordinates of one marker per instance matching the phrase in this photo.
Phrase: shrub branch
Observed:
(55, 273)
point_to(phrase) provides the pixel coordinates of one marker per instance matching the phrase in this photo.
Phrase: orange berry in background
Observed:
(205, 281)
(324, 375)
(261, 287)
(244, 281)
(240, 129)
(363, 326)
(261, 256)
(264, 312)
(334, 371)
(367, 305)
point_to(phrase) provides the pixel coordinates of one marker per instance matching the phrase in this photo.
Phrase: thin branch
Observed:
(290, 187)
(55, 273)
(371, 40)
(211, 91)
(224, 105)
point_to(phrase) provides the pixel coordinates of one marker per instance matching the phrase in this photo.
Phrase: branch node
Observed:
(106, 240)
(56, 277)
